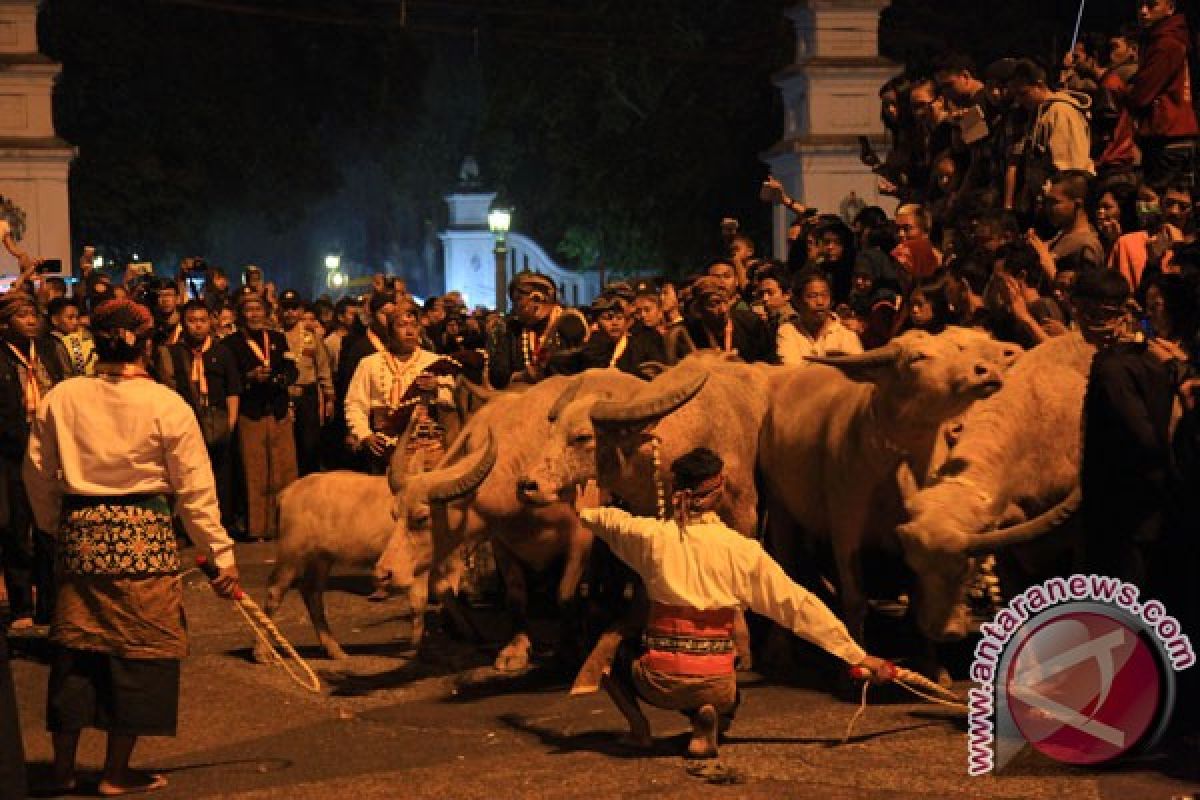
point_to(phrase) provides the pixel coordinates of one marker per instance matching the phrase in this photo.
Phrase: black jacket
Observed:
(643, 345)
(14, 429)
(1126, 456)
(220, 370)
(751, 337)
(270, 397)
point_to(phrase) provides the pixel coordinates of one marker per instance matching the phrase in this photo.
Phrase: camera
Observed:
(193, 266)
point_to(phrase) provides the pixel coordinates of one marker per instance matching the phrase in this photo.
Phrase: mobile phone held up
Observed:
(49, 266)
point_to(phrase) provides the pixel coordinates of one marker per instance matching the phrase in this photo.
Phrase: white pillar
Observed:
(468, 247)
(33, 160)
(830, 98)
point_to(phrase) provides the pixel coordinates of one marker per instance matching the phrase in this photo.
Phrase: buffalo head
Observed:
(926, 379)
(422, 500)
(941, 538)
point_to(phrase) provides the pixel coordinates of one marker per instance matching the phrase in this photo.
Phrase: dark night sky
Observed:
(273, 131)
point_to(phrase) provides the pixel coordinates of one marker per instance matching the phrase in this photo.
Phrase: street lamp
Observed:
(335, 280)
(499, 220)
(333, 261)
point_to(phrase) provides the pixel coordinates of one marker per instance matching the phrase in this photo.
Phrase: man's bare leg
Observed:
(65, 745)
(118, 778)
(639, 726)
(704, 733)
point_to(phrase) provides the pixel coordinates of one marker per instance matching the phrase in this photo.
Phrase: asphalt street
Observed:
(445, 725)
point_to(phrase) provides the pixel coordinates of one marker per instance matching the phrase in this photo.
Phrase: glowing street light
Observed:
(499, 221)
(333, 261)
(336, 280)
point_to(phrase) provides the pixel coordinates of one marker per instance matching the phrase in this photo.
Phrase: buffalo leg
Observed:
(850, 585)
(282, 578)
(313, 590)
(515, 655)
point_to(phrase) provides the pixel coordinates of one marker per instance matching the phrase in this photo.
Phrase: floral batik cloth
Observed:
(118, 539)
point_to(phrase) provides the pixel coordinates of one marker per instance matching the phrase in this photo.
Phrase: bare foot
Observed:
(704, 734)
(132, 783)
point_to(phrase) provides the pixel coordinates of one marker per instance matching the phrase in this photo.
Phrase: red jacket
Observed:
(1160, 95)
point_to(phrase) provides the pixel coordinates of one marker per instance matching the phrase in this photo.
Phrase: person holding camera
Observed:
(265, 418)
(205, 374)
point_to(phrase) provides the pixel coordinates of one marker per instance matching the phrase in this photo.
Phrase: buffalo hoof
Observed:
(515, 655)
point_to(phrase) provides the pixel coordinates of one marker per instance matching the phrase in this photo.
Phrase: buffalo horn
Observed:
(661, 398)
(567, 396)
(907, 482)
(1029, 530)
(879, 357)
(464, 477)
(398, 466)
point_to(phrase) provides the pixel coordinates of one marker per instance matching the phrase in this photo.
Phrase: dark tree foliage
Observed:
(622, 133)
(913, 32)
(188, 120)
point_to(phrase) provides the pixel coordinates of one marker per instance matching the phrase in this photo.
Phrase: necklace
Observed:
(402, 375)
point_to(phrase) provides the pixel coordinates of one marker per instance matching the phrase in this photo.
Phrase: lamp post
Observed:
(499, 220)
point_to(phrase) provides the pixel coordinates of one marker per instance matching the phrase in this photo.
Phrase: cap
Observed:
(607, 302)
(290, 299)
(122, 314)
(533, 281)
(12, 301)
(244, 295)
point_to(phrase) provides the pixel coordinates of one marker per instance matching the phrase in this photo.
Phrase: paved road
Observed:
(388, 726)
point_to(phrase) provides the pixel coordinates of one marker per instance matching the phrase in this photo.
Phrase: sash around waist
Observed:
(152, 501)
(687, 641)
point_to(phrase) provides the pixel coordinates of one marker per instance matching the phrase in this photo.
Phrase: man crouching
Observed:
(698, 572)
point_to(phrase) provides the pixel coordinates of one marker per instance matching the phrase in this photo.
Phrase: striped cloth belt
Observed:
(688, 645)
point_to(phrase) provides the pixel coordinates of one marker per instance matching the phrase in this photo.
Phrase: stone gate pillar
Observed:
(33, 160)
(830, 98)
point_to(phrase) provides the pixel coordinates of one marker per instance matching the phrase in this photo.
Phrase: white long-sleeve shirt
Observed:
(97, 437)
(793, 343)
(710, 566)
(373, 382)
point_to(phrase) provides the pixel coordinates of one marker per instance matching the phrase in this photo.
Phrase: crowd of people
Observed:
(1033, 202)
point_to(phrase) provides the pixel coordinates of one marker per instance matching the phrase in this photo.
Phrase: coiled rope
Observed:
(268, 634)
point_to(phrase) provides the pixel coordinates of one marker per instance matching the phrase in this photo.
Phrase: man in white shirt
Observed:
(387, 388)
(105, 456)
(697, 573)
(816, 330)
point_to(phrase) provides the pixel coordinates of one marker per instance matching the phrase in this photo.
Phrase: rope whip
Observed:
(268, 634)
(908, 680)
